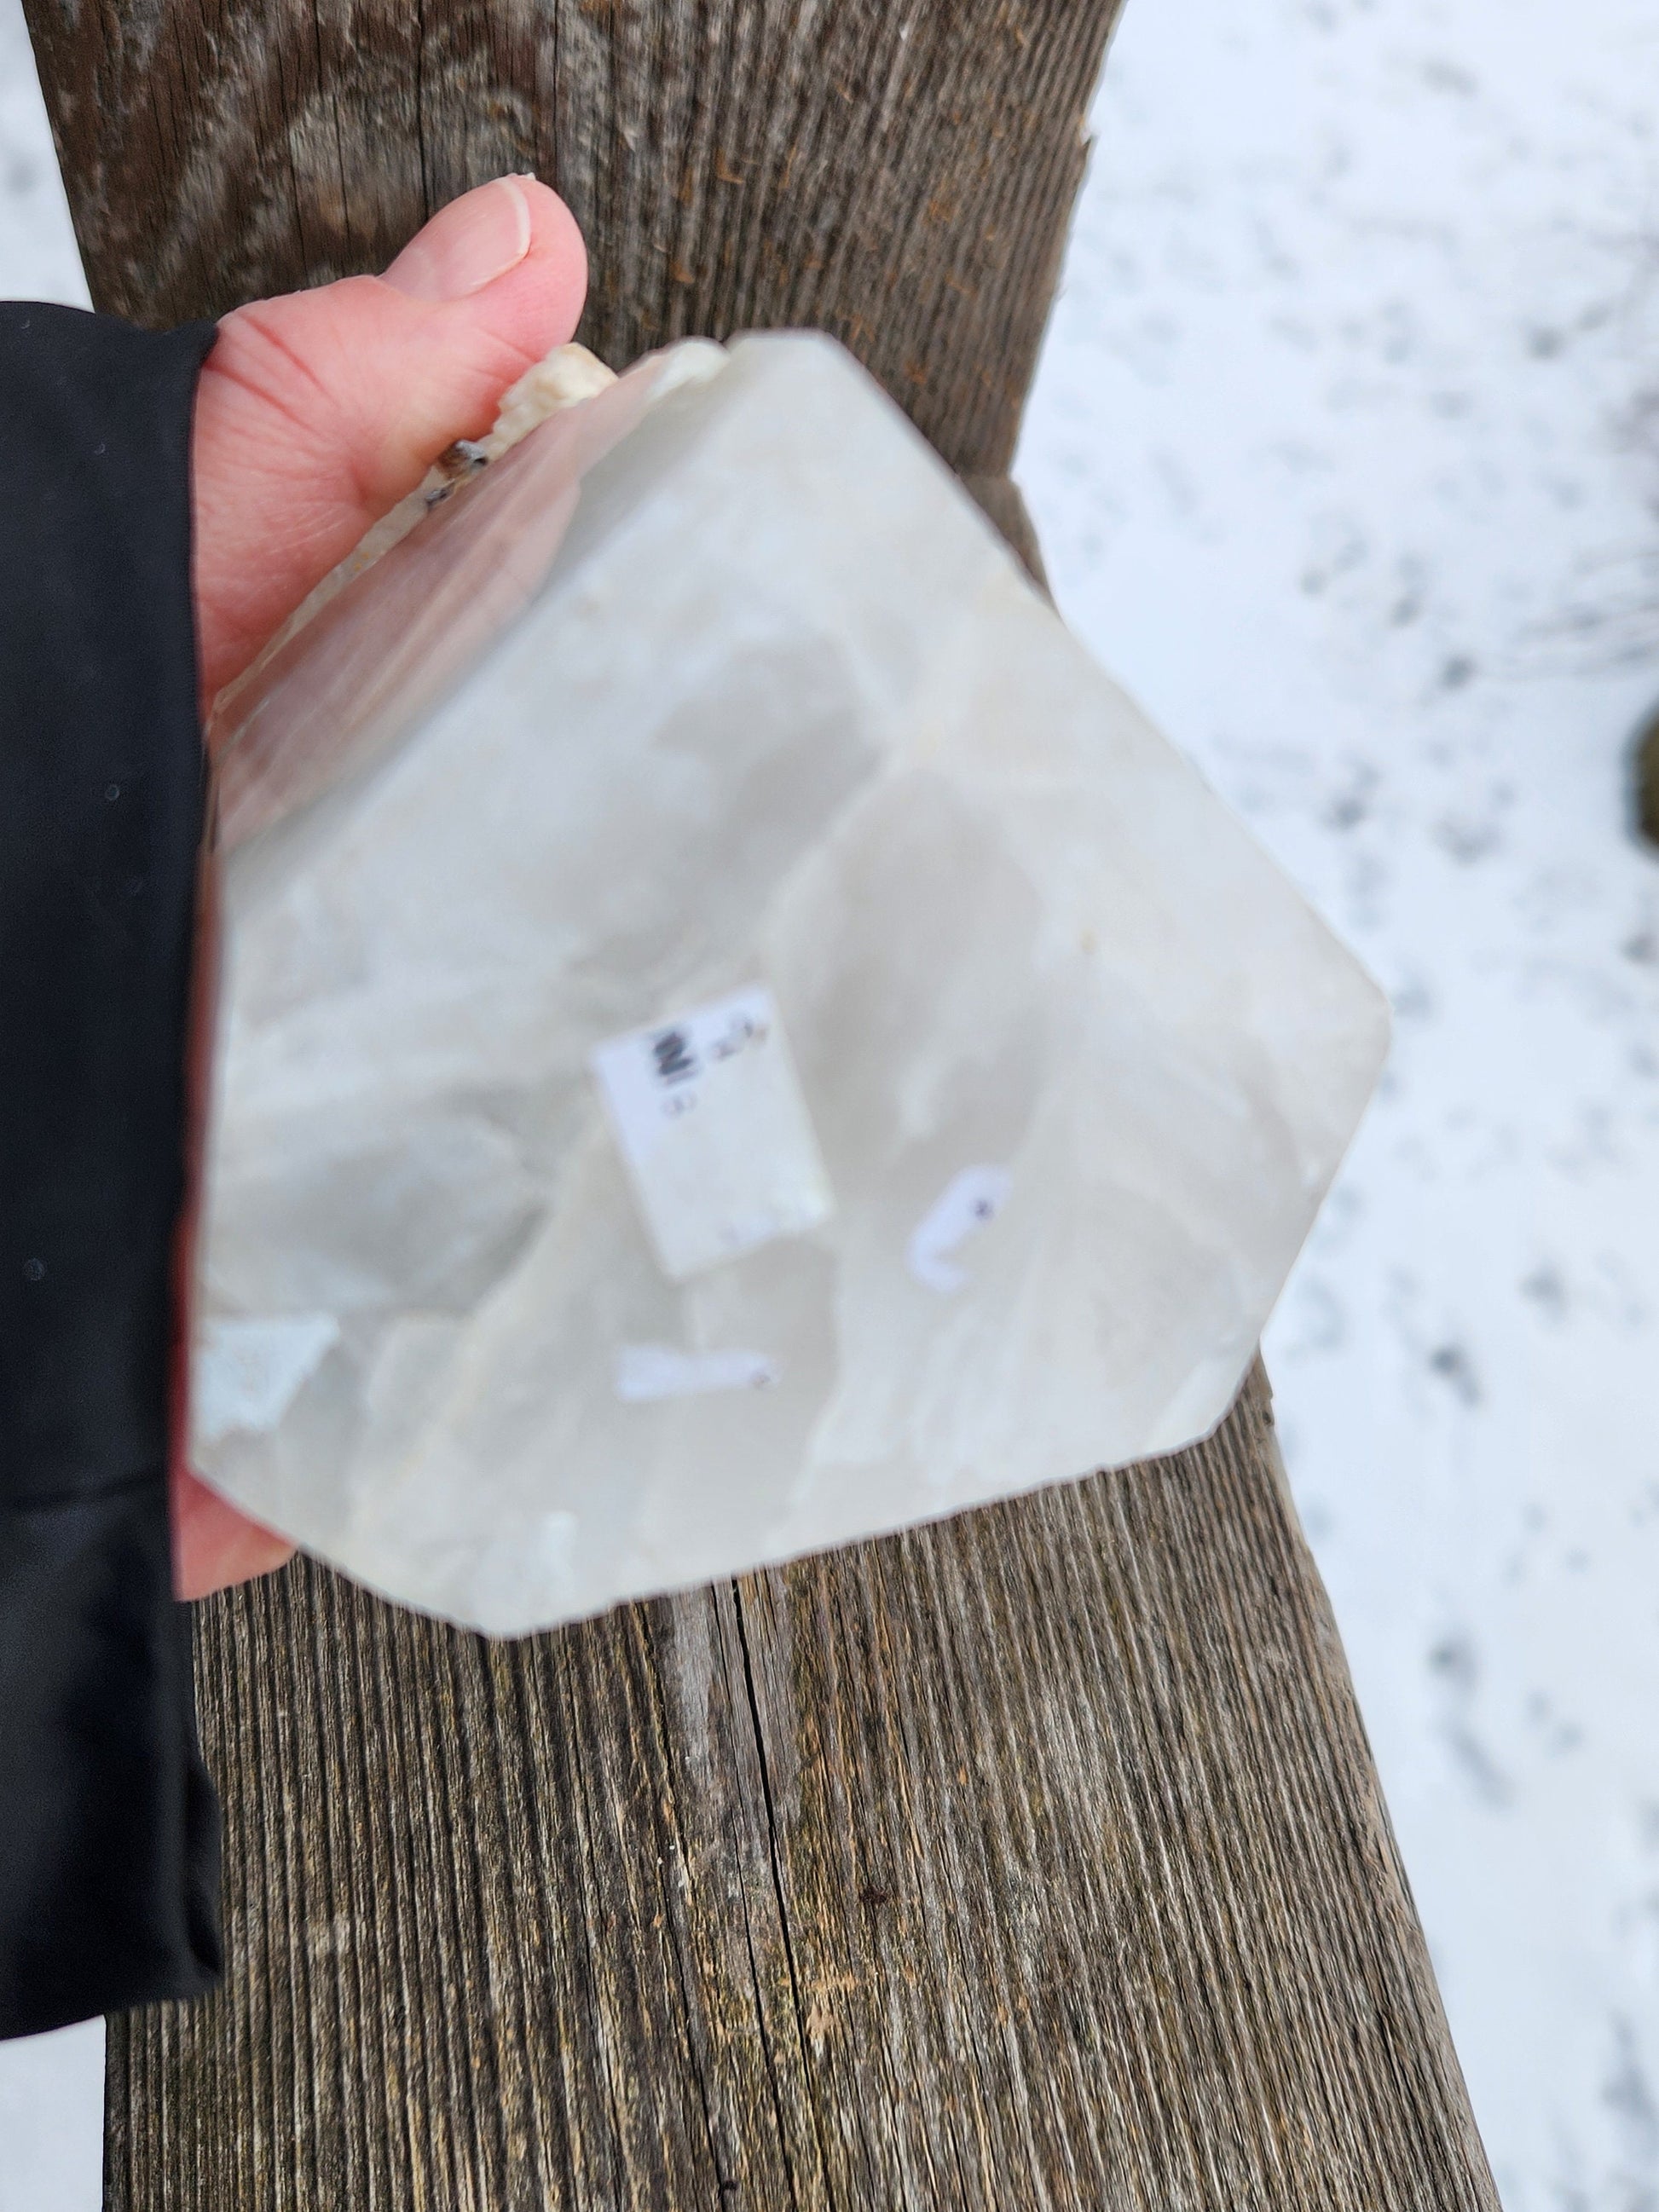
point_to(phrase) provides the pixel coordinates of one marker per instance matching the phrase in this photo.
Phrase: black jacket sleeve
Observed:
(108, 1829)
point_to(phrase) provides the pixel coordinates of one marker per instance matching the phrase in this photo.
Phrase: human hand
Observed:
(315, 415)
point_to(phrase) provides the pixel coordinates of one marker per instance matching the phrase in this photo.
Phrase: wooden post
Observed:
(1034, 1859)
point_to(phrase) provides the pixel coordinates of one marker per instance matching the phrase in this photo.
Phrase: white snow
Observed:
(1345, 456)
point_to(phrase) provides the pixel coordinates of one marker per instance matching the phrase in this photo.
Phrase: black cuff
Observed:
(109, 1879)
(108, 1850)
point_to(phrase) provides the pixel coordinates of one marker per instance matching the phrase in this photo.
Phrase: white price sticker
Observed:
(708, 1112)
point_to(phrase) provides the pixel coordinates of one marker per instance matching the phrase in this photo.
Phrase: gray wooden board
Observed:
(1033, 1859)
(898, 172)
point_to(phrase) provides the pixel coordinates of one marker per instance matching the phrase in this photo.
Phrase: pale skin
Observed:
(315, 415)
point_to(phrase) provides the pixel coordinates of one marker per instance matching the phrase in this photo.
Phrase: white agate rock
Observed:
(734, 1036)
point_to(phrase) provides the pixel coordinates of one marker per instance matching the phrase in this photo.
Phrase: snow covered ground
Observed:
(1346, 455)
(1345, 458)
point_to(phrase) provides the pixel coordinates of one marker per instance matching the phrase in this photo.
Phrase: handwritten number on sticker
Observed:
(707, 1108)
(675, 1060)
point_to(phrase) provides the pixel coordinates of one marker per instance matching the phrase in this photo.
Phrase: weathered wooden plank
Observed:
(1032, 1860)
(895, 171)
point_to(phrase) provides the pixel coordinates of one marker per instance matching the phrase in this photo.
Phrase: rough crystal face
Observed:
(735, 1035)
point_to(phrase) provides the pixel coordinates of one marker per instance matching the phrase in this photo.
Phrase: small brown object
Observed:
(1030, 1862)
(1647, 782)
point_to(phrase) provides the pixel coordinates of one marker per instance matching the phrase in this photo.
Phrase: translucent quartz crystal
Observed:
(734, 1035)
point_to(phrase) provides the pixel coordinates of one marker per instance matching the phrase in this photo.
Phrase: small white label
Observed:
(967, 1201)
(248, 1373)
(648, 1372)
(708, 1112)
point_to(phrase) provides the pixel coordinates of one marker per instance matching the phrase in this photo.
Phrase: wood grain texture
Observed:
(1032, 1860)
(897, 172)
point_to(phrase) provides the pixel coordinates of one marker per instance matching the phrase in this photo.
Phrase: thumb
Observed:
(317, 411)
